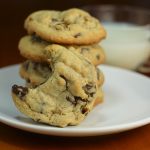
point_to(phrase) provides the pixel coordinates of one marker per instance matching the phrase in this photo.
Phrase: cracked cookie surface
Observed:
(37, 73)
(32, 47)
(68, 94)
(73, 26)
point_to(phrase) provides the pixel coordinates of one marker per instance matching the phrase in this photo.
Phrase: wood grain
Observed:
(14, 139)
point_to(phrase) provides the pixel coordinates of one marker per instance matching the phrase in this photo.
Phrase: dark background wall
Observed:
(13, 13)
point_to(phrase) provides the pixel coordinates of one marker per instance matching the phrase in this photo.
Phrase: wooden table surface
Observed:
(11, 29)
(14, 139)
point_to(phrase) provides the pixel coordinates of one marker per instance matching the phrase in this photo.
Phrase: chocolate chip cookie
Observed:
(73, 26)
(34, 73)
(32, 47)
(37, 73)
(68, 94)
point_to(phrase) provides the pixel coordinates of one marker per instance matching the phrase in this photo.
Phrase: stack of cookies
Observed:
(62, 81)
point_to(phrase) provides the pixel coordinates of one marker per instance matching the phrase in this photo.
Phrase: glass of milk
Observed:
(128, 34)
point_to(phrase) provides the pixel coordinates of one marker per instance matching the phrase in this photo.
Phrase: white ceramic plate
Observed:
(126, 105)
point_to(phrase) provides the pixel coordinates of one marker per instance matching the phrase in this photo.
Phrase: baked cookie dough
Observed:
(37, 73)
(72, 26)
(32, 47)
(68, 94)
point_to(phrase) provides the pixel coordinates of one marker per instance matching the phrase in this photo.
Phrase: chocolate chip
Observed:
(36, 38)
(19, 91)
(90, 89)
(98, 57)
(74, 100)
(38, 120)
(92, 94)
(35, 86)
(40, 67)
(77, 98)
(66, 24)
(77, 35)
(84, 110)
(86, 18)
(71, 99)
(35, 65)
(89, 86)
(54, 20)
(28, 80)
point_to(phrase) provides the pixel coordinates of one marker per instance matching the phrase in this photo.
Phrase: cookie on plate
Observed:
(73, 26)
(67, 96)
(32, 47)
(34, 73)
(37, 73)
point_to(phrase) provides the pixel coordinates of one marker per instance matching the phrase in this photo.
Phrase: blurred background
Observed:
(13, 13)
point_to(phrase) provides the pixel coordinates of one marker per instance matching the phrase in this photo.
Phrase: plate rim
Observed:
(79, 131)
(75, 132)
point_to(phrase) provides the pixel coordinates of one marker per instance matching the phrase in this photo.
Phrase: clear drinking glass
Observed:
(128, 34)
